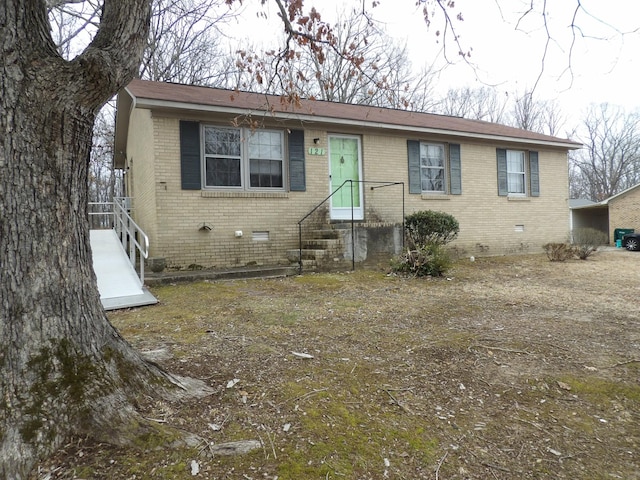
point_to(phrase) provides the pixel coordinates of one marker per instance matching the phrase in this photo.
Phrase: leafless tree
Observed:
(484, 103)
(530, 113)
(73, 24)
(382, 74)
(361, 64)
(184, 43)
(105, 182)
(610, 161)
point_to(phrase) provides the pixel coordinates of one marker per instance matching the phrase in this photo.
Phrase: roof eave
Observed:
(613, 197)
(167, 104)
(125, 103)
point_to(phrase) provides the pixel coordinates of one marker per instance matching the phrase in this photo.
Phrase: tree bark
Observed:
(63, 368)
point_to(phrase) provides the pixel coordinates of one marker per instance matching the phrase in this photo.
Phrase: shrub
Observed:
(429, 227)
(587, 240)
(427, 232)
(424, 260)
(558, 252)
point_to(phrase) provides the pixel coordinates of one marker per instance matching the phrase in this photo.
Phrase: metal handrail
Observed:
(353, 249)
(134, 241)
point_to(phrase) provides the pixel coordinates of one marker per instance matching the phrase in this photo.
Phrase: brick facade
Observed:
(624, 211)
(173, 218)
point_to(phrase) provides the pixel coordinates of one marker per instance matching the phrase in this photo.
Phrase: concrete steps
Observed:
(322, 249)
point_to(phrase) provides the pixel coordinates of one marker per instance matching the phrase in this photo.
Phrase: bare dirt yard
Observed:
(508, 368)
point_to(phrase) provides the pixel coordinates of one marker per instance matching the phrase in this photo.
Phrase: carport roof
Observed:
(604, 203)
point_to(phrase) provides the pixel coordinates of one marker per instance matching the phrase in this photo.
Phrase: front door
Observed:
(345, 164)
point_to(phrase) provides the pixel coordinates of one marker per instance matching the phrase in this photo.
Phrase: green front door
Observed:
(344, 164)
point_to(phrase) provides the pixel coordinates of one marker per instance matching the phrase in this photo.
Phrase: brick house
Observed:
(222, 178)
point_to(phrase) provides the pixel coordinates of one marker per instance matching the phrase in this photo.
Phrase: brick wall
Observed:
(624, 212)
(173, 217)
(487, 221)
(140, 170)
(180, 214)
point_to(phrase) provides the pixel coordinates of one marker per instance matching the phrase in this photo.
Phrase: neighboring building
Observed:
(618, 212)
(221, 178)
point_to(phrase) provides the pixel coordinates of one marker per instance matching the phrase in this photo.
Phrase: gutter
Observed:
(307, 118)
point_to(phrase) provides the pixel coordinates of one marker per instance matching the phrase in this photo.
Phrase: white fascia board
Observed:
(121, 132)
(151, 103)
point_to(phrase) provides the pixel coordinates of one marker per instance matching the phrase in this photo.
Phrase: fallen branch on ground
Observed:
(508, 350)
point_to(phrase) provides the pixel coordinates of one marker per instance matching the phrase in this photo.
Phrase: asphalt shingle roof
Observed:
(364, 115)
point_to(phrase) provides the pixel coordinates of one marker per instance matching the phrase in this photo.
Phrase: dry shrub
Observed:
(559, 252)
(586, 241)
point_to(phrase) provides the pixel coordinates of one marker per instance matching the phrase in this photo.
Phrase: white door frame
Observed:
(345, 213)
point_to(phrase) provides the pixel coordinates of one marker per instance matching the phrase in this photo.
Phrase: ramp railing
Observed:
(115, 215)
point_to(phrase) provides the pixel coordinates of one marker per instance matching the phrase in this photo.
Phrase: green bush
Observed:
(586, 241)
(427, 232)
(428, 227)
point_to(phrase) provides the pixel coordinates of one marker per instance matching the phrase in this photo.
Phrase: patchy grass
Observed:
(509, 368)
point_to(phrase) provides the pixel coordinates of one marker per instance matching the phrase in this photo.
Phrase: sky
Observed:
(507, 48)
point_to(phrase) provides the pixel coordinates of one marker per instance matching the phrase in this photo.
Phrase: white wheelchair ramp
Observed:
(118, 282)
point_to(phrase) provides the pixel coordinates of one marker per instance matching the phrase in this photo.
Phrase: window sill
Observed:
(222, 194)
(518, 199)
(435, 196)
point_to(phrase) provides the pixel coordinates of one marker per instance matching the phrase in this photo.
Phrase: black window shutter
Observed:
(190, 155)
(297, 176)
(503, 189)
(534, 174)
(415, 182)
(455, 169)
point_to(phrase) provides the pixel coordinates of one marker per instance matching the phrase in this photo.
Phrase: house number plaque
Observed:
(316, 151)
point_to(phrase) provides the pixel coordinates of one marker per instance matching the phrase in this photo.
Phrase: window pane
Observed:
(265, 144)
(515, 161)
(516, 183)
(266, 173)
(223, 172)
(266, 152)
(222, 141)
(432, 164)
(431, 155)
(515, 171)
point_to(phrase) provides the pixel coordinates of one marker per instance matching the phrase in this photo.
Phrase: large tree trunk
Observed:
(63, 368)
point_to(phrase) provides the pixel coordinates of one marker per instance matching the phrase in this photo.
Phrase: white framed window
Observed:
(241, 158)
(432, 168)
(266, 159)
(516, 176)
(518, 173)
(222, 157)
